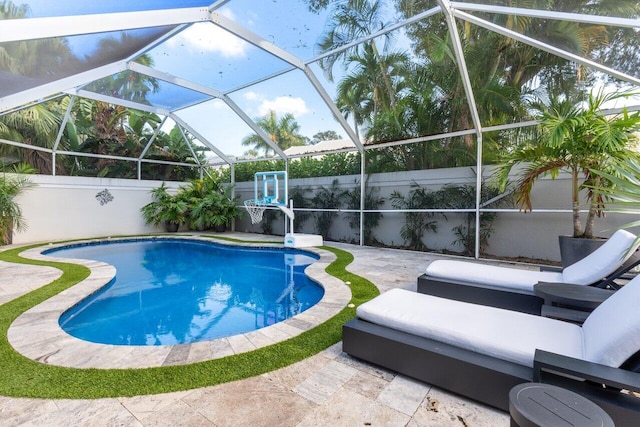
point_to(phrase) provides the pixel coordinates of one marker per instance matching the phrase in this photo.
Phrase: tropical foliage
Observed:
(165, 208)
(201, 204)
(283, 132)
(625, 191)
(372, 201)
(577, 138)
(393, 95)
(12, 184)
(330, 198)
(464, 197)
(417, 223)
(92, 127)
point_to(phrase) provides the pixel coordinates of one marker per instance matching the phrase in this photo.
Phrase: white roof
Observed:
(322, 146)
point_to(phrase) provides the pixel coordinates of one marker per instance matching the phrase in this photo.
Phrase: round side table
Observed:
(545, 405)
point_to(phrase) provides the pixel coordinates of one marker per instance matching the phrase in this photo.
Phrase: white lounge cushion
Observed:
(499, 333)
(603, 261)
(594, 267)
(612, 330)
(491, 275)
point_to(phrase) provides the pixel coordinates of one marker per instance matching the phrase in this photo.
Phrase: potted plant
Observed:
(12, 185)
(165, 209)
(577, 138)
(199, 195)
(203, 211)
(227, 210)
(210, 204)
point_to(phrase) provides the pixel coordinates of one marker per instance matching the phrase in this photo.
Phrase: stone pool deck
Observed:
(328, 389)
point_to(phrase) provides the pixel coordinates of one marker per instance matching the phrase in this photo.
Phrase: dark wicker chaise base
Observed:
(487, 379)
(507, 298)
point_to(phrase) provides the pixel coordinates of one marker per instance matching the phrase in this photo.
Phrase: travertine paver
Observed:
(353, 393)
(37, 334)
(404, 394)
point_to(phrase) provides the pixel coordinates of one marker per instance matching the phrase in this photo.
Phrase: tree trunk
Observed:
(594, 209)
(575, 197)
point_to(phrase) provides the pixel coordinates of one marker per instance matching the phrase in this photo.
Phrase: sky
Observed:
(208, 55)
(223, 61)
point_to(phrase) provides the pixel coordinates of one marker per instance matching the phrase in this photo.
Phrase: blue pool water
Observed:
(177, 291)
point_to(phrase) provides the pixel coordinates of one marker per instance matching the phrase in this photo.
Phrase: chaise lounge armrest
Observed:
(620, 273)
(588, 379)
(556, 364)
(607, 387)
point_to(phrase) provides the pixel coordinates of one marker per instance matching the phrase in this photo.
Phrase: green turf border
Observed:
(23, 377)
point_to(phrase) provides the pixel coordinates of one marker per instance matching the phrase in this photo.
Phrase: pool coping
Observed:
(37, 335)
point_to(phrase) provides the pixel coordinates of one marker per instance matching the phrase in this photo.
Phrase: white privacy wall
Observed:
(530, 235)
(61, 208)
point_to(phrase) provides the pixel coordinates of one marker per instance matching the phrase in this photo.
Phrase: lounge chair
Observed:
(513, 288)
(482, 352)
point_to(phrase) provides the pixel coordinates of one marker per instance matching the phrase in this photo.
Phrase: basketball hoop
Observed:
(256, 208)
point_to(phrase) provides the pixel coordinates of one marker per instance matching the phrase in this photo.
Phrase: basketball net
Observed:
(256, 209)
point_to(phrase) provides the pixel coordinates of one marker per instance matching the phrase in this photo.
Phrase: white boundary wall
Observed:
(531, 235)
(61, 208)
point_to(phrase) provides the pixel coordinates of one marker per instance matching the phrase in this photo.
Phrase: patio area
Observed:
(329, 388)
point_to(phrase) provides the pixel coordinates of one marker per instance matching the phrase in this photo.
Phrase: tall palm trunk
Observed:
(388, 87)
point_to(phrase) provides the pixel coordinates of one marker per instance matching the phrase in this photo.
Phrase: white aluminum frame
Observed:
(181, 18)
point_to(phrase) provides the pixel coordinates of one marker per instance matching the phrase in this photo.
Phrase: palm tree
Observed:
(284, 132)
(350, 20)
(577, 139)
(37, 126)
(127, 84)
(38, 59)
(625, 191)
(10, 213)
(368, 80)
(494, 61)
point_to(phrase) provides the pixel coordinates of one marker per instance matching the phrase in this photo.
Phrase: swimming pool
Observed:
(178, 291)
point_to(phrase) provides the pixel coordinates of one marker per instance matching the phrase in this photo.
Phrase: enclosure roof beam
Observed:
(332, 106)
(549, 14)
(62, 26)
(188, 142)
(279, 53)
(118, 101)
(170, 78)
(200, 138)
(63, 124)
(257, 129)
(153, 138)
(462, 64)
(386, 30)
(545, 47)
(211, 92)
(49, 89)
(217, 4)
(254, 39)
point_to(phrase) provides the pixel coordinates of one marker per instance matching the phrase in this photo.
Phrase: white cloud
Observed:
(251, 96)
(206, 37)
(282, 105)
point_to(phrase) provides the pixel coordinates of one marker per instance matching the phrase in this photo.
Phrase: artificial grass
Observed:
(23, 377)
